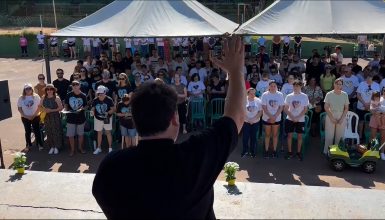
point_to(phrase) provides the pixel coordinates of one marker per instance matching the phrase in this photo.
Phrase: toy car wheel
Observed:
(369, 167)
(338, 165)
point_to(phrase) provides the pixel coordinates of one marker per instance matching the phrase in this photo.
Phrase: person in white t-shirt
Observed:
(338, 55)
(72, 47)
(287, 88)
(161, 65)
(272, 104)
(28, 105)
(199, 70)
(128, 44)
(263, 85)
(297, 64)
(286, 44)
(40, 42)
(95, 47)
(350, 84)
(364, 95)
(54, 47)
(296, 105)
(196, 88)
(251, 124)
(86, 45)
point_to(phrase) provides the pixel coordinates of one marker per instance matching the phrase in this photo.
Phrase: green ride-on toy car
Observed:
(349, 153)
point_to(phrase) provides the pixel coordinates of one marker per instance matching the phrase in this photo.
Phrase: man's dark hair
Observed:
(178, 67)
(153, 106)
(80, 62)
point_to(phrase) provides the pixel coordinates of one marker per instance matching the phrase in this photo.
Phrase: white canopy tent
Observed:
(150, 18)
(313, 17)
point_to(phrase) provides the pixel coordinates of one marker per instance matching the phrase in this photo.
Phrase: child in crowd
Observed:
(263, 85)
(377, 107)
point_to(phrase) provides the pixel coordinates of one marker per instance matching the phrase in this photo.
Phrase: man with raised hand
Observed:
(160, 178)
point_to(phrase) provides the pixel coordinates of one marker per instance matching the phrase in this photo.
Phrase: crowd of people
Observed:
(277, 81)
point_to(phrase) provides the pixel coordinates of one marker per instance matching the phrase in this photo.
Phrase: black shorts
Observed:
(71, 44)
(54, 45)
(175, 48)
(268, 123)
(297, 127)
(361, 114)
(40, 46)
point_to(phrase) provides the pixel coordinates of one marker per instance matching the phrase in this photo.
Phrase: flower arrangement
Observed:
(19, 162)
(230, 169)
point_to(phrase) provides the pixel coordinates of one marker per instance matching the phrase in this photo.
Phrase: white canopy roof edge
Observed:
(313, 17)
(150, 18)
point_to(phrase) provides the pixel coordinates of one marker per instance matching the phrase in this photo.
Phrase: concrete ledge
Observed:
(52, 195)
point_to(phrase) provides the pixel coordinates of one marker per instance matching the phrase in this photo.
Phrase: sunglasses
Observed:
(82, 71)
(29, 88)
(122, 78)
(41, 78)
(50, 89)
(59, 73)
(75, 84)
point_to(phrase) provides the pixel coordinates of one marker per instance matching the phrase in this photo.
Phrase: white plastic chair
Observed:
(348, 133)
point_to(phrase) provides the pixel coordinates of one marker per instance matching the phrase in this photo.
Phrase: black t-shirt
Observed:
(128, 61)
(314, 71)
(85, 86)
(297, 39)
(75, 102)
(164, 180)
(104, 43)
(62, 87)
(125, 121)
(119, 66)
(110, 85)
(356, 69)
(102, 107)
(218, 89)
(121, 91)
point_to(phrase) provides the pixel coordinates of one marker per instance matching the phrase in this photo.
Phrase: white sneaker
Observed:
(382, 156)
(97, 151)
(51, 150)
(56, 151)
(109, 150)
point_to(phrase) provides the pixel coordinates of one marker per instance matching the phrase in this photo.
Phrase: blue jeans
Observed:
(250, 133)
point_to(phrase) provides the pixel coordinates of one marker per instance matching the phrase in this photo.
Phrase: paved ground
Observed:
(39, 195)
(313, 171)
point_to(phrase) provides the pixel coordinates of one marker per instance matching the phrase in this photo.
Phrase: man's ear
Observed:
(175, 119)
